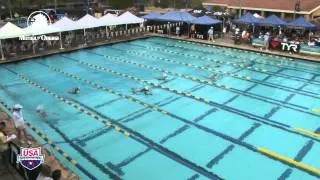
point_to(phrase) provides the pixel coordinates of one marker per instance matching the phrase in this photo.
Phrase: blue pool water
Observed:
(190, 128)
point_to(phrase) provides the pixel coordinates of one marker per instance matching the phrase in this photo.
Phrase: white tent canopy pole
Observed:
(61, 47)
(2, 54)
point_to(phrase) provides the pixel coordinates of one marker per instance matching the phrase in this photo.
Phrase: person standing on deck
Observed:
(210, 34)
(19, 123)
(266, 41)
(4, 147)
(178, 30)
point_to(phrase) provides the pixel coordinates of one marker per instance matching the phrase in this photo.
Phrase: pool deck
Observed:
(224, 42)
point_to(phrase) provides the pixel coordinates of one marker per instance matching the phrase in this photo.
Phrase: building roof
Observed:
(288, 5)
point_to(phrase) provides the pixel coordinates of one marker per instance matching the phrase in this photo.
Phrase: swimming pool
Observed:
(254, 122)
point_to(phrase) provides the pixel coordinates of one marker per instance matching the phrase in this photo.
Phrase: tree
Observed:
(121, 4)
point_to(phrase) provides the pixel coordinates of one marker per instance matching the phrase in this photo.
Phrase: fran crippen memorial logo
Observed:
(38, 22)
(38, 19)
(30, 158)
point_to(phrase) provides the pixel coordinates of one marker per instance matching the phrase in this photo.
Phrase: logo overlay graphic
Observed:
(38, 21)
(38, 18)
(30, 158)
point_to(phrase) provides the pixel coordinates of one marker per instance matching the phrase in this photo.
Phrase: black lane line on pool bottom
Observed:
(285, 174)
(107, 103)
(249, 131)
(231, 99)
(175, 133)
(84, 153)
(236, 111)
(205, 115)
(304, 151)
(288, 98)
(164, 151)
(117, 167)
(194, 177)
(301, 154)
(220, 156)
(272, 112)
(307, 83)
(92, 135)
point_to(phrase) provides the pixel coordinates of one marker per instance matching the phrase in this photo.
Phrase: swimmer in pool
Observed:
(42, 113)
(145, 90)
(164, 77)
(75, 90)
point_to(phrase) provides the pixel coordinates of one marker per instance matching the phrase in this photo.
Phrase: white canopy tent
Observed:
(129, 18)
(108, 20)
(8, 31)
(65, 24)
(87, 22)
(41, 29)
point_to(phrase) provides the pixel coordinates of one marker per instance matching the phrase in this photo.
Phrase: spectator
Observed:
(210, 34)
(19, 123)
(178, 30)
(266, 41)
(193, 31)
(45, 173)
(56, 174)
(4, 147)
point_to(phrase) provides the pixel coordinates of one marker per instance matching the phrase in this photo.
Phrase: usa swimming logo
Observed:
(30, 158)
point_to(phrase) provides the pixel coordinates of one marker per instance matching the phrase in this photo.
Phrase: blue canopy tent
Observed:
(301, 22)
(205, 20)
(247, 19)
(177, 16)
(273, 20)
(152, 16)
